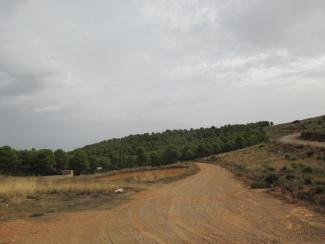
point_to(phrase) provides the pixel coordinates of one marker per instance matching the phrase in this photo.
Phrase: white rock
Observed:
(119, 190)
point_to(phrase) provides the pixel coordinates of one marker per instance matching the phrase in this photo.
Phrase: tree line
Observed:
(134, 150)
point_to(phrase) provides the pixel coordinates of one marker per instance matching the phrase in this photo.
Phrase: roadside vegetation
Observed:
(152, 149)
(296, 172)
(23, 197)
(316, 135)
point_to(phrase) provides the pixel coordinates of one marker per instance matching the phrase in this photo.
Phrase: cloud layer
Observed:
(73, 73)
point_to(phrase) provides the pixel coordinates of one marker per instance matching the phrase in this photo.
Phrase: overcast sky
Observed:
(74, 72)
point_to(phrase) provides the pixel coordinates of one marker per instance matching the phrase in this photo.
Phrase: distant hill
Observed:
(174, 145)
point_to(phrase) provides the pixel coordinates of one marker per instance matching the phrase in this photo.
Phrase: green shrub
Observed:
(34, 215)
(288, 187)
(304, 195)
(259, 185)
(308, 181)
(294, 165)
(290, 177)
(307, 169)
(290, 157)
(322, 157)
(320, 182)
(321, 202)
(319, 189)
(299, 146)
(271, 178)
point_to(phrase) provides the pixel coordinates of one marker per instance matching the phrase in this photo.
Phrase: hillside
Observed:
(293, 169)
(316, 124)
(174, 145)
(150, 149)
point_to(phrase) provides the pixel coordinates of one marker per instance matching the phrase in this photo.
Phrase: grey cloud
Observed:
(289, 24)
(75, 72)
(23, 84)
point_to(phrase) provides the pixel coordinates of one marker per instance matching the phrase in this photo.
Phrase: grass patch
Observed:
(32, 197)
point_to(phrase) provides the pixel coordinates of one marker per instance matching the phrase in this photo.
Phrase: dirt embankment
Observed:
(208, 207)
(295, 139)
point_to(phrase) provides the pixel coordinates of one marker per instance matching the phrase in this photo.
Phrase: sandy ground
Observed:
(208, 207)
(294, 139)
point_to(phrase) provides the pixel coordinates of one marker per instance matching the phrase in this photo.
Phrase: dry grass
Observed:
(99, 182)
(24, 186)
(291, 171)
(148, 175)
(35, 196)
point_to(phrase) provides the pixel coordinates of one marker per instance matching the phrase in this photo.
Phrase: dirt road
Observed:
(208, 207)
(294, 139)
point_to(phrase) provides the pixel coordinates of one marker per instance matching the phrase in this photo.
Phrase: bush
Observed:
(288, 187)
(290, 177)
(271, 178)
(299, 146)
(308, 181)
(307, 169)
(319, 189)
(320, 182)
(297, 165)
(287, 156)
(309, 154)
(294, 165)
(304, 195)
(317, 135)
(322, 202)
(259, 185)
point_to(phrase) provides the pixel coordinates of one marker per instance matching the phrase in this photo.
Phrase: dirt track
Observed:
(294, 139)
(209, 207)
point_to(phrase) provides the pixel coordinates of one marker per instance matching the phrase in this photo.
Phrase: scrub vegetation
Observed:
(296, 172)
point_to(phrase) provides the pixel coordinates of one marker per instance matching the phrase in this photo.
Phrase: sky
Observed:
(75, 72)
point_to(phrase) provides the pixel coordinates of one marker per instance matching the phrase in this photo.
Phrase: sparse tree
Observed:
(79, 162)
(61, 159)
